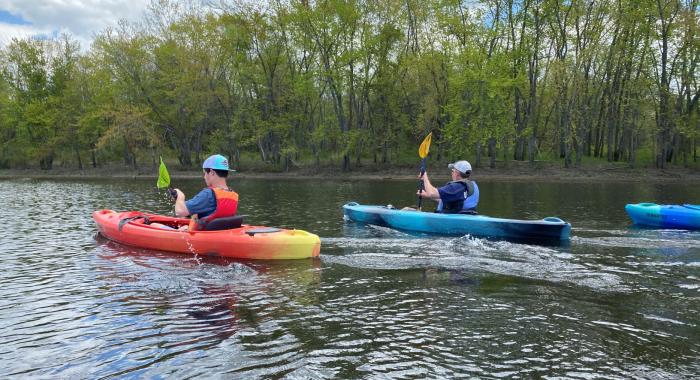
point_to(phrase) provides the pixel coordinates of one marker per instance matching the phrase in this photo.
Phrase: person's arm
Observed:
(430, 190)
(180, 206)
(202, 204)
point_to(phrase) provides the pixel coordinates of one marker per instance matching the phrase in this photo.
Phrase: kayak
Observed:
(550, 229)
(685, 217)
(244, 242)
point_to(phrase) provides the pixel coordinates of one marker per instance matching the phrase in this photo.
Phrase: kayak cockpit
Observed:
(160, 221)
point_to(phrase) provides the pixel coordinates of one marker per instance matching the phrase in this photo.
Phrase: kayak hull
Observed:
(550, 229)
(245, 242)
(684, 217)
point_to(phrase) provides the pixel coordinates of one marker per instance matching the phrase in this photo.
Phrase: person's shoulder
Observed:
(452, 186)
(204, 193)
(455, 184)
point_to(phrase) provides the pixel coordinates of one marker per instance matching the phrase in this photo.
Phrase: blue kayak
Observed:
(550, 229)
(685, 217)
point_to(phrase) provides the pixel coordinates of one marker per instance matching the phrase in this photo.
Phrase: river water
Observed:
(617, 302)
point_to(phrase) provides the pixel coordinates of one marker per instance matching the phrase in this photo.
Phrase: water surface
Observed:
(617, 302)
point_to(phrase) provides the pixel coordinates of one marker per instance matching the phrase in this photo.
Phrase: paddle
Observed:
(423, 153)
(164, 179)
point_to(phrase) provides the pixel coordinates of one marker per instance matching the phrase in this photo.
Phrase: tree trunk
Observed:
(261, 148)
(46, 163)
(478, 154)
(520, 125)
(77, 156)
(492, 153)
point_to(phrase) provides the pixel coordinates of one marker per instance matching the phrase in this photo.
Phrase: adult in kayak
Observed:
(216, 201)
(459, 196)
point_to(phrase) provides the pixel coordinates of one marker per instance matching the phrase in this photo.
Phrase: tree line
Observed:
(353, 82)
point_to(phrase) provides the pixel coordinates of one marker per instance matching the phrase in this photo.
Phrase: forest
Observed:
(357, 83)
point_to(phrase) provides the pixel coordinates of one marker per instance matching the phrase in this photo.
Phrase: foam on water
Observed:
(636, 242)
(469, 253)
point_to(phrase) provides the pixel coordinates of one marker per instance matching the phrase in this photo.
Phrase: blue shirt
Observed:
(203, 204)
(452, 192)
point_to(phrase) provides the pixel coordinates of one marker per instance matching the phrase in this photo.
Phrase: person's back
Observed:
(464, 200)
(472, 200)
(225, 206)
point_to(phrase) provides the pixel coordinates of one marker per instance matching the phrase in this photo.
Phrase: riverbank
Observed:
(515, 171)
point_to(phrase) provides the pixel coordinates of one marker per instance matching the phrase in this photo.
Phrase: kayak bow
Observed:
(686, 217)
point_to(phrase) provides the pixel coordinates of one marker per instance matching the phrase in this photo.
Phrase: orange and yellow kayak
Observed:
(246, 242)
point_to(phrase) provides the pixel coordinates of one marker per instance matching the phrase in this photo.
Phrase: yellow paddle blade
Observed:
(163, 176)
(425, 146)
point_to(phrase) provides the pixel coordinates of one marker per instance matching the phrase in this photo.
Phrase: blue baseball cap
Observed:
(216, 162)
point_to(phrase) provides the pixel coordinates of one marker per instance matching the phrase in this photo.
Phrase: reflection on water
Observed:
(618, 302)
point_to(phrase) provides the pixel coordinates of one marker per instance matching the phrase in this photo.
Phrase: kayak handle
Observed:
(553, 219)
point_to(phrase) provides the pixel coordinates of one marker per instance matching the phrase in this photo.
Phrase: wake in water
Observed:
(380, 248)
(639, 238)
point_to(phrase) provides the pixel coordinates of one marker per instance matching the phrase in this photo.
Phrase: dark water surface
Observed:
(618, 302)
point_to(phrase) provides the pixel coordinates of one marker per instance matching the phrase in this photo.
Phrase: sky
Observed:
(82, 19)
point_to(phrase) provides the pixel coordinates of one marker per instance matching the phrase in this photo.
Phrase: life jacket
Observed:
(468, 204)
(226, 206)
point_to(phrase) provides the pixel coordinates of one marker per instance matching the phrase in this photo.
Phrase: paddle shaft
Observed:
(421, 185)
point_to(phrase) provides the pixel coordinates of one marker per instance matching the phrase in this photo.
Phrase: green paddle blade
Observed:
(425, 146)
(163, 176)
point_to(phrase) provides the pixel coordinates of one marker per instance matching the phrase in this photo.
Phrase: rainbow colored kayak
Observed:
(547, 229)
(245, 242)
(685, 217)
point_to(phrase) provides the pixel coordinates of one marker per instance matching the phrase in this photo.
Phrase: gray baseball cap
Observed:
(461, 166)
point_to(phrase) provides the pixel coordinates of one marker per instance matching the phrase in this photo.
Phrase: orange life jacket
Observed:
(226, 206)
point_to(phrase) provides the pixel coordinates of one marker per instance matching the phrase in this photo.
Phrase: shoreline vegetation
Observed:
(298, 85)
(513, 171)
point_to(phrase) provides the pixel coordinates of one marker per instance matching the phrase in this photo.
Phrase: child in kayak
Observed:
(214, 202)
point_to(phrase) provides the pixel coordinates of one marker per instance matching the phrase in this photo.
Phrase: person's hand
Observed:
(179, 194)
(421, 193)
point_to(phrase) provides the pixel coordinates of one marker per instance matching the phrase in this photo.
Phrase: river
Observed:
(616, 302)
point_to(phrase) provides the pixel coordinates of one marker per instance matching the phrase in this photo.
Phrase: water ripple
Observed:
(504, 258)
(615, 303)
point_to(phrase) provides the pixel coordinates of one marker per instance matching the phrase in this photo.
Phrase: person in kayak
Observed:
(215, 201)
(459, 196)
